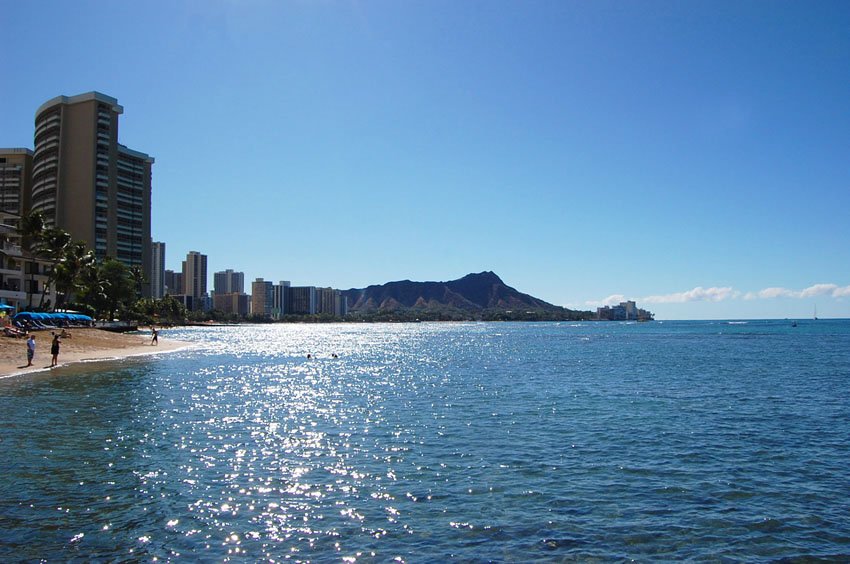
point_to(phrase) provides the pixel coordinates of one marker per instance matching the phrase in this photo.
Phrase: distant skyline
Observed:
(691, 156)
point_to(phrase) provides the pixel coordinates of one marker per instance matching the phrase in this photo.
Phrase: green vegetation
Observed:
(165, 311)
(103, 289)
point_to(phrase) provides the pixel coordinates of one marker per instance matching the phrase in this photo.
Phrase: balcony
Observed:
(11, 249)
(12, 295)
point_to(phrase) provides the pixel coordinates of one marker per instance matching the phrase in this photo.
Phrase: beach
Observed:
(84, 344)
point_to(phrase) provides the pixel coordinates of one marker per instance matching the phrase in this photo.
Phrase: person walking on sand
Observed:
(154, 336)
(54, 350)
(30, 349)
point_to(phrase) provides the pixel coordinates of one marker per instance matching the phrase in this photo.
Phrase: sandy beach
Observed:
(84, 344)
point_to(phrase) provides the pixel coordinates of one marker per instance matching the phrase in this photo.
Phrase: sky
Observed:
(693, 156)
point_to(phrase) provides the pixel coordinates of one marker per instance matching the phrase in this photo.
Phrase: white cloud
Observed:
(698, 294)
(769, 293)
(719, 294)
(613, 299)
(841, 292)
(832, 290)
(818, 290)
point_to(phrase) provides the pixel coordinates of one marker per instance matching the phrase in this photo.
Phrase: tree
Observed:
(92, 288)
(138, 280)
(46, 243)
(52, 245)
(108, 288)
(172, 309)
(31, 229)
(165, 310)
(69, 273)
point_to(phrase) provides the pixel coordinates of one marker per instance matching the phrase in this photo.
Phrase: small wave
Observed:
(737, 322)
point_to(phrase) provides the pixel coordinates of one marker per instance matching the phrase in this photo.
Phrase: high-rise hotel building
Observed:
(195, 276)
(262, 297)
(157, 269)
(87, 183)
(229, 282)
(22, 276)
(15, 180)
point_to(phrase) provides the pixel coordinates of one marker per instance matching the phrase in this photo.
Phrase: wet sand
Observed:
(84, 344)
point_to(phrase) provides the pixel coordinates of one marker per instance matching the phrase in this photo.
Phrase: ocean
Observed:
(426, 442)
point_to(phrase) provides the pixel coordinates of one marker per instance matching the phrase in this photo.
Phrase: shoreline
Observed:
(85, 345)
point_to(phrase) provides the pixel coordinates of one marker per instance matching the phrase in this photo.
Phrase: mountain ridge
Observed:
(469, 296)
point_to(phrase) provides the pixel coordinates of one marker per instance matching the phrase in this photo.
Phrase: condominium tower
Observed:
(173, 282)
(195, 276)
(229, 282)
(262, 297)
(157, 269)
(22, 276)
(280, 299)
(88, 184)
(15, 180)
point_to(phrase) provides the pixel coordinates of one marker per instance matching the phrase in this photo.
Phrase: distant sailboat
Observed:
(816, 313)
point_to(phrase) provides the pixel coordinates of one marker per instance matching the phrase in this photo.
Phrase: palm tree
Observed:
(31, 228)
(68, 274)
(93, 287)
(117, 284)
(139, 279)
(53, 245)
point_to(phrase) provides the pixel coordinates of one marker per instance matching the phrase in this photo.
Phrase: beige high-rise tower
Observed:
(21, 276)
(195, 276)
(15, 180)
(88, 184)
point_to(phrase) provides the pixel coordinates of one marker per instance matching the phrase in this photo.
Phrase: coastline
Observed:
(84, 345)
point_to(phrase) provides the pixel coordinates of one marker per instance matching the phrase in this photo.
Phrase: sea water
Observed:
(433, 442)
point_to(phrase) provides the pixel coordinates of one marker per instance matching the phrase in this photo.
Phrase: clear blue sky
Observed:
(694, 155)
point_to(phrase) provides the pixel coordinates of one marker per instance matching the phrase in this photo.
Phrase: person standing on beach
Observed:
(54, 350)
(154, 336)
(30, 349)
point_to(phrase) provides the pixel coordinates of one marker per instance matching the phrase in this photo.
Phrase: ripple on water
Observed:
(503, 442)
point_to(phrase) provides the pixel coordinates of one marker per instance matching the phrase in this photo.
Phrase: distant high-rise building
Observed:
(280, 299)
(22, 276)
(229, 282)
(231, 303)
(88, 184)
(325, 300)
(331, 302)
(625, 311)
(15, 180)
(195, 275)
(157, 270)
(340, 304)
(173, 282)
(262, 297)
(302, 300)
